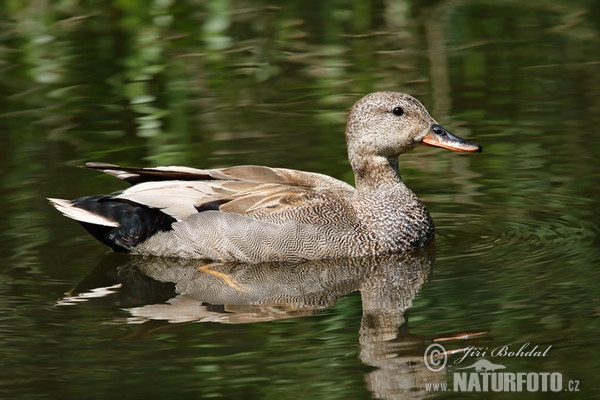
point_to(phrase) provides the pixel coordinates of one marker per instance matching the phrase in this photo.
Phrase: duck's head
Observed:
(387, 124)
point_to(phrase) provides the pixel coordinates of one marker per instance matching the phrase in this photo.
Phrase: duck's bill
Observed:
(440, 137)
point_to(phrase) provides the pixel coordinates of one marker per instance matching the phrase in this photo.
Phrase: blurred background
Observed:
(217, 83)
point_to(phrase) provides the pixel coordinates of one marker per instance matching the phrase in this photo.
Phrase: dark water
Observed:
(210, 84)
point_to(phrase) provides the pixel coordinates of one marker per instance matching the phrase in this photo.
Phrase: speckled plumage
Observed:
(254, 213)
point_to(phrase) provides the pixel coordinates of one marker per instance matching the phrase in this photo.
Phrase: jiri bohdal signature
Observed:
(504, 351)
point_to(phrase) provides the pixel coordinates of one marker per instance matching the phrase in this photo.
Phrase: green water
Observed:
(211, 84)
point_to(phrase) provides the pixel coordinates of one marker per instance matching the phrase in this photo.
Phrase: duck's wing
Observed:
(251, 190)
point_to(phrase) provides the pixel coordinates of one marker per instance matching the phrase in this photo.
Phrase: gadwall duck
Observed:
(255, 213)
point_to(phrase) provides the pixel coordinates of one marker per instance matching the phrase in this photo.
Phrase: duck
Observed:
(252, 213)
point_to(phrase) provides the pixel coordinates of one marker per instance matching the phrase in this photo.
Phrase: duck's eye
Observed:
(398, 111)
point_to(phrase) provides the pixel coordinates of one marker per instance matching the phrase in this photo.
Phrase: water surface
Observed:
(217, 84)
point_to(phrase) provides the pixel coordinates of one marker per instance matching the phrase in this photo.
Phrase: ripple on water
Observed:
(522, 232)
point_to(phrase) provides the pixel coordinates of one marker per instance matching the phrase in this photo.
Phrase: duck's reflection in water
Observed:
(179, 290)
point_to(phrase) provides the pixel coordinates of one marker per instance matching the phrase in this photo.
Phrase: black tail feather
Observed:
(136, 222)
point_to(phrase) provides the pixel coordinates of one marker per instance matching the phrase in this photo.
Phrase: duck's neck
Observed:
(376, 172)
(387, 209)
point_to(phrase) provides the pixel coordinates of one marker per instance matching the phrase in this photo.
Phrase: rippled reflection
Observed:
(179, 290)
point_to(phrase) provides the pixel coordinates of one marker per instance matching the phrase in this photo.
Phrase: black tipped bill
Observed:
(440, 137)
